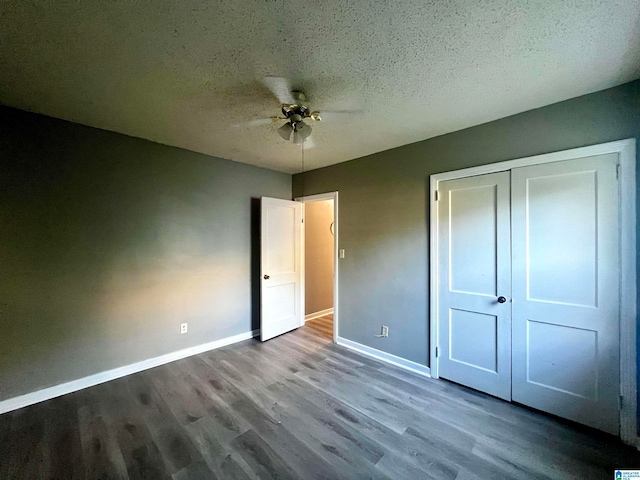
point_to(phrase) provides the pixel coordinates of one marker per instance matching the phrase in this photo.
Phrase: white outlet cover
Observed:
(183, 328)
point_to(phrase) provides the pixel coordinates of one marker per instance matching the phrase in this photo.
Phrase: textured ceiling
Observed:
(190, 74)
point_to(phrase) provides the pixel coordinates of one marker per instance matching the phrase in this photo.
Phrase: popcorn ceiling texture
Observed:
(188, 73)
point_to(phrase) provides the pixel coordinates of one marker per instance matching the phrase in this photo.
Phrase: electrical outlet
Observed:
(183, 328)
(341, 253)
(384, 331)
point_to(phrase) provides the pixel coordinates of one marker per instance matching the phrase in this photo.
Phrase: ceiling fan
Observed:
(295, 110)
(295, 128)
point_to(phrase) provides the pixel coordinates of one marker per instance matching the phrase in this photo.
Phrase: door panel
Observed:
(280, 240)
(474, 335)
(280, 277)
(472, 240)
(561, 211)
(477, 350)
(558, 349)
(565, 289)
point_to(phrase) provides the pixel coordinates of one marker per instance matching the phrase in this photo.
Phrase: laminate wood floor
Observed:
(322, 325)
(295, 407)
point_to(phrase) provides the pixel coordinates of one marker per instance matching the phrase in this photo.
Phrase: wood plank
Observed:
(216, 449)
(169, 436)
(298, 456)
(262, 458)
(146, 463)
(195, 471)
(62, 437)
(100, 451)
(349, 450)
(365, 398)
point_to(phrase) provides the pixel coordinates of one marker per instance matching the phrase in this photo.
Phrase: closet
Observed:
(528, 286)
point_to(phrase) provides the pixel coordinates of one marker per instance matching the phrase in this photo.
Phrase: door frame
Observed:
(626, 151)
(314, 198)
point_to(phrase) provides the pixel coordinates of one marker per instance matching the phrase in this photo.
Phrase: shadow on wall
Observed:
(255, 263)
(108, 243)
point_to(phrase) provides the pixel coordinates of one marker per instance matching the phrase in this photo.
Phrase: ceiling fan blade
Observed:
(340, 115)
(255, 123)
(280, 88)
(259, 121)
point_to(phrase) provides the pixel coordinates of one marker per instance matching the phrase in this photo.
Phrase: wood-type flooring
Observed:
(295, 407)
(322, 325)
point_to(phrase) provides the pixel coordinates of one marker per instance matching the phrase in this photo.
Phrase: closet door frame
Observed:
(626, 151)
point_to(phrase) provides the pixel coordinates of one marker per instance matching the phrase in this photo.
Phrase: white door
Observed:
(565, 289)
(280, 303)
(474, 266)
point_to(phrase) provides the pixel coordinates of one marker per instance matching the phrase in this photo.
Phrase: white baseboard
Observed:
(86, 382)
(385, 357)
(318, 314)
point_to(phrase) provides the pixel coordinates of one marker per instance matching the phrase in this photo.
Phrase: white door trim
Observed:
(314, 198)
(626, 150)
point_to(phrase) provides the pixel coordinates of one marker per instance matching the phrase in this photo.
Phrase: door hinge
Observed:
(620, 402)
(437, 195)
(437, 352)
(617, 170)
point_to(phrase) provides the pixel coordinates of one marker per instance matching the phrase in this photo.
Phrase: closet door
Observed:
(474, 322)
(566, 289)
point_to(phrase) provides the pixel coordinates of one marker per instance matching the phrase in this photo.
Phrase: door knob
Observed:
(266, 277)
(501, 299)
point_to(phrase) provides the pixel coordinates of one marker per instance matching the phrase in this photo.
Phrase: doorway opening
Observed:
(319, 252)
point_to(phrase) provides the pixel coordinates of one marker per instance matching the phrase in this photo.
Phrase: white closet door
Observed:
(281, 281)
(565, 289)
(474, 334)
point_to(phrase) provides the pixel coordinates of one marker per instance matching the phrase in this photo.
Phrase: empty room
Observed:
(319, 240)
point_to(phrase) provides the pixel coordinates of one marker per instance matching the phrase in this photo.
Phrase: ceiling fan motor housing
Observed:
(289, 111)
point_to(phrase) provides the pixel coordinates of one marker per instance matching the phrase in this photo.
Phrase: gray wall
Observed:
(108, 243)
(319, 244)
(384, 211)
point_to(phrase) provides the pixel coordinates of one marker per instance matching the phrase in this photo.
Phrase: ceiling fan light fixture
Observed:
(303, 129)
(285, 131)
(301, 132)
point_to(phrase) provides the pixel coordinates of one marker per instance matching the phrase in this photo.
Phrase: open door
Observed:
(280, 275)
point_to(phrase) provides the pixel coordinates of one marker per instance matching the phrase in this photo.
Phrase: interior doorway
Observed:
(319, 251)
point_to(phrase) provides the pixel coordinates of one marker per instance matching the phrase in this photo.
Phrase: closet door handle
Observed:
(501, 299)
(266, 277)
